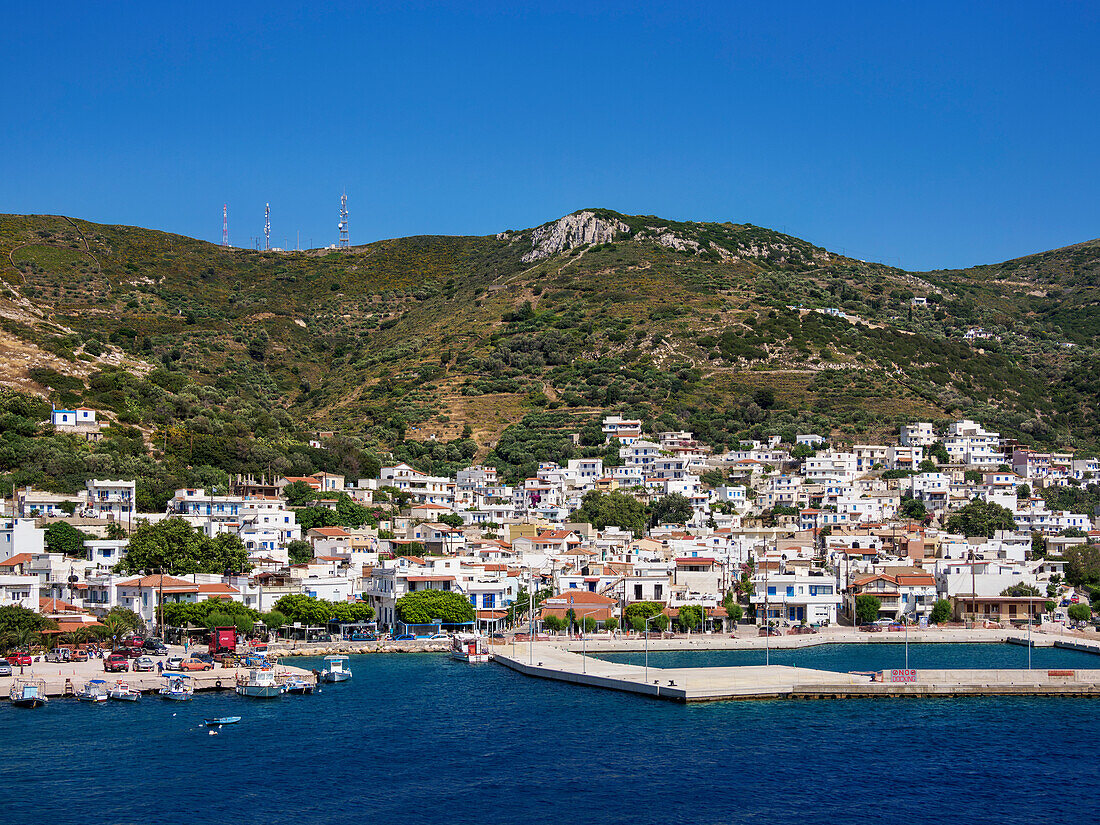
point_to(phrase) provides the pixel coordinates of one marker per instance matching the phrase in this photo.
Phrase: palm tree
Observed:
(21, 638)
(114, 626)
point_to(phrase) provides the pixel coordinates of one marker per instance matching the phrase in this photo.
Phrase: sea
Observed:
(419, 738)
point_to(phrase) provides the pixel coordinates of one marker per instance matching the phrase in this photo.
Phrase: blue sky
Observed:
(921, 134)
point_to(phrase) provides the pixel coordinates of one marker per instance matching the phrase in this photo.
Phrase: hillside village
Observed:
(788, 533)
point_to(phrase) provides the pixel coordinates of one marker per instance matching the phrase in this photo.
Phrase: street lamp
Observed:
(584, 639)
(647, 621)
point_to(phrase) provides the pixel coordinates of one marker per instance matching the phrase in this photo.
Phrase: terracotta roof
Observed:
(157, 581)
(568, 598)
(57, 606)
(331, 532)
(430, 578)
(218, 589)
(694, 561)
(20, 558)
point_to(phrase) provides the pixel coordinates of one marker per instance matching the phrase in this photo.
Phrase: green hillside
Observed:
(225, 358)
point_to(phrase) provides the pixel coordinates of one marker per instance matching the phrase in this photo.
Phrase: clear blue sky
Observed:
(923, 134)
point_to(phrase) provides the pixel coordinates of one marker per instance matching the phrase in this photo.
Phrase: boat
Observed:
(259, 684)
(178, 687)
(466, 647)
(94, 690)
(336, 669)
(298, 686)
(28, 693)
(218, 721)
(122, 692)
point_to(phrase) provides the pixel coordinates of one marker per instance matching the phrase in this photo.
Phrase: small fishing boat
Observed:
(299, 687)
(336, 669)
(28, 693)
(259, 684)
(178, 687)
(94, 690)
(218, 721)
(466, 647)
(122, 692)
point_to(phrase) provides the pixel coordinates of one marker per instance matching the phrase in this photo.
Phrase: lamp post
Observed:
(647, 621)
(584, 639)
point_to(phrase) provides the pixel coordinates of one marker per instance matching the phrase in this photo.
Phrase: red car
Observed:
(19, 659)
(115, 663)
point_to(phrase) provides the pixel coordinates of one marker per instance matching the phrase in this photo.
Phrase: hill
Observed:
(437, 348)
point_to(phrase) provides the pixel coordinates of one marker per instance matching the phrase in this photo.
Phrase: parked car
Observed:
(439, 636)
(19, 659)
(5, 668)
(155, 647)
(174, 663)
(871, 627)
(79, 655)
(404, 637)
(116, 663)
(769, 631)
(203, 657)
(499, 636)
(144, 663)
(196, 664)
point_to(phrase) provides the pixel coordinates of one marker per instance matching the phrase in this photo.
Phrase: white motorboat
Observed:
(94, 690)
(336, 669)
(28, 693)
(122, 692)
(259, 683)
(466, 647)
(177, 688)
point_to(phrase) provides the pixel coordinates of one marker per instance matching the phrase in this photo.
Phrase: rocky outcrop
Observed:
(572, 231)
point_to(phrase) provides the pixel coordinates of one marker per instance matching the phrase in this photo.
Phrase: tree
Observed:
(299, 551)
(1079, 612)
(520, 606)
(981, 518)
(1083, 564)
(602, 510)
(689, 617)
(21, 638)
(298, 493)
(735, 613)
(867, 608)
(451, 520)
(588, 624)
(1021, 589)
(114, 627)
(672, 509)
(611, 623)
(310, 518)
(425, 606)
(182, 614)
(130, 620)
(973, 476)
(352, 612)
(927, 466)
(64, 538)
(174, 547)
(310, 611)
(941, 611)
(553, 623)
(913, 508)
(570, 618)
(350, 513)
(273, 620)
(637, 612)
(1023, 491)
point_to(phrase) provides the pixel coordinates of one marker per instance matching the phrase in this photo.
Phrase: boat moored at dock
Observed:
(28, 693)
(94, 690)
(298, 686)
(467, 647)
(336, 669)
(259, 683)
(178, 687)
(122, 692)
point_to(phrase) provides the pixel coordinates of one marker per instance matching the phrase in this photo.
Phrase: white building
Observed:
(109, 499)
(920, 434)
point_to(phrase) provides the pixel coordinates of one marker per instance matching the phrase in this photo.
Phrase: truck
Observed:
(223, 640)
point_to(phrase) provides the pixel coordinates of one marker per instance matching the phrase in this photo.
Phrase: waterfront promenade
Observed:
(564, 661)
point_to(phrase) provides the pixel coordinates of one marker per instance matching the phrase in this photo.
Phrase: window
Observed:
(638, 592)
(771, 590)
(790, 589)
(657, 591)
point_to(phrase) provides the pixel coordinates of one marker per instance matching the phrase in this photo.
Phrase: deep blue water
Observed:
(422, 739)
(846, 657)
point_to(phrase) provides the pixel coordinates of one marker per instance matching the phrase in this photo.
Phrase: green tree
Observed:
(352, 612)
(973, 476)
(927, 466)
(553, 623)
(671, 509)
(299, 551)
(174, 547)
(350, 513)
(425, 606)
(1021, 589)
(867, 608)
(570, 618)
(1023, 491)
(130, 620)
(689, 617)
(20, 638)
(451, 520)
(310, 611)
(912, 508)
(980, 518)
(637, 612)
(298, 493)
(616, 509)
(589, 624)
(310, 518)
(519, 607)
(64, 538)
(735, 613)
(114, 627)
(941, 611)
(611, 623)
(1079, 612)
(273, 620)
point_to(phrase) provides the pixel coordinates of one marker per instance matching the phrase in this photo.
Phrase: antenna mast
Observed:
(267, 226)
(344, 243)
(225, 224)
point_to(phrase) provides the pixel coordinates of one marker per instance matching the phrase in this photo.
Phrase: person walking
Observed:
(160, 667)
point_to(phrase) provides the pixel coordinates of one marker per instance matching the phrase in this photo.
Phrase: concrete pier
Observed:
(547, 660)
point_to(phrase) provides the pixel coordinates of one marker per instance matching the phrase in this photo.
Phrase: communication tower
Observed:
(225, 224)
(267, 226)
(344, 243)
